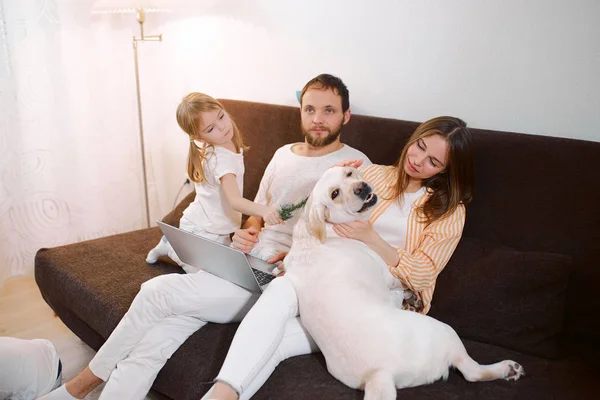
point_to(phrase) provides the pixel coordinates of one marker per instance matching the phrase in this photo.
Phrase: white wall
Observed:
(526, 66)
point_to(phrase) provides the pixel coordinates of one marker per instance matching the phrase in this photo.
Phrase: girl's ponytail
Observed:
(196, 157)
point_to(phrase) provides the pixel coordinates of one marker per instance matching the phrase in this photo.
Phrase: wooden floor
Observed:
(24, 314)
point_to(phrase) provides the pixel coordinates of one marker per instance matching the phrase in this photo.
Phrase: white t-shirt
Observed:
(392, 224)
(289, 179)
(210, 210)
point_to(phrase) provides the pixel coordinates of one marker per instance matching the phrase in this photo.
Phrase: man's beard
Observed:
(321, 141)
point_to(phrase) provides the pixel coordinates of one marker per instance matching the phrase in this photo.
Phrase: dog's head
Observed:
(339, 196)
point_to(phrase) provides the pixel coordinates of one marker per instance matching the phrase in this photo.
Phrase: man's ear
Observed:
(316, 220)
(347, 116)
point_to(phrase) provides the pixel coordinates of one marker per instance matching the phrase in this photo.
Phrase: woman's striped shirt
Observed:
(428, 246)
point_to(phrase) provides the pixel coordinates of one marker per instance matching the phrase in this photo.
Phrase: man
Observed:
(324, 110)
(158, 320)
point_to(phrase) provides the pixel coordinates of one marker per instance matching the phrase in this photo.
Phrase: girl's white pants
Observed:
(164, 248)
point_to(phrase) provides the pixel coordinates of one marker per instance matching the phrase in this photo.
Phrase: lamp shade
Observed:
(130, 6)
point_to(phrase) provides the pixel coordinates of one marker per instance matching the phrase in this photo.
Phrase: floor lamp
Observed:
(140, 8)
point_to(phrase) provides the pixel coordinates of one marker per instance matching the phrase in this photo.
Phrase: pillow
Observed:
(501, 296)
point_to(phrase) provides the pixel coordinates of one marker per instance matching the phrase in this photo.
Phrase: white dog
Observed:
(345, 303)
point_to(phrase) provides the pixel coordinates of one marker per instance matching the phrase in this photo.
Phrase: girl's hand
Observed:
(358, 230)
(349, 163)
(273, 217)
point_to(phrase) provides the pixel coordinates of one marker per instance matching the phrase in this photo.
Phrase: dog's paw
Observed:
(514, 370)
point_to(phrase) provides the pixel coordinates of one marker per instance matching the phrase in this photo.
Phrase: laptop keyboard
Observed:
(263, 278)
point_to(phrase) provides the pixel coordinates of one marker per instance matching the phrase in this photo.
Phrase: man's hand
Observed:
(350, 163)
(280, 269)
(358, 230)
(245, 239)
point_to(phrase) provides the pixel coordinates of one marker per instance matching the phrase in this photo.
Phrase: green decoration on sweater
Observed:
(286, 211)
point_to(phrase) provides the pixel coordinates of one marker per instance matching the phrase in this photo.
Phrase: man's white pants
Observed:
(166, 311)
(270, 333)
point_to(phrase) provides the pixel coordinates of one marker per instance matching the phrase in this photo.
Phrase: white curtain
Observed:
(70, 159)
(70, 165)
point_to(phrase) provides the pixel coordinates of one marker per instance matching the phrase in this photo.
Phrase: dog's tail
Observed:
(379, 385)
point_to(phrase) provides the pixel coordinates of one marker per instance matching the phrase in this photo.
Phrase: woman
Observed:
(414, 228)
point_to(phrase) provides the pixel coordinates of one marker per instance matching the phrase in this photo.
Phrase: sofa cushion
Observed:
(502, 296)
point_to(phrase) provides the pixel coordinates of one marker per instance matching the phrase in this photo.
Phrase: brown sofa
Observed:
(521, 285)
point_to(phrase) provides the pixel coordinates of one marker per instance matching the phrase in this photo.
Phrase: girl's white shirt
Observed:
(210, 209)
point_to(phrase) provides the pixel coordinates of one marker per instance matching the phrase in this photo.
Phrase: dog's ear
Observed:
(316, 219)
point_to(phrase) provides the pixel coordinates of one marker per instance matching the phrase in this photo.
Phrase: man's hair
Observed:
(327, 81)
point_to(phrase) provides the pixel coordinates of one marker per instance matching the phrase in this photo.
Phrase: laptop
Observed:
(223, 261)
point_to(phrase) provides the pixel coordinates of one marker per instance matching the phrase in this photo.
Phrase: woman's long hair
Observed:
(188, 118)
(452, 186)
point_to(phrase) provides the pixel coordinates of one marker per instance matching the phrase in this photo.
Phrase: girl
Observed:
(170, 307)
(414, 228)
(216, 166)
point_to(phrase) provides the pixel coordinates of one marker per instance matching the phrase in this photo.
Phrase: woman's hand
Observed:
(358, 230)
(364, 232)
(273, 217)
(349, 163)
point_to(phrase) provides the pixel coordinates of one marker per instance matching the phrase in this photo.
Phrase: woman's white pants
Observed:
(166, 311)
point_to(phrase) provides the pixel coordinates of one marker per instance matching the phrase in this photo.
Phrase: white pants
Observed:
(166, 311)
(270, 333)
(188, 226)
(28, 368)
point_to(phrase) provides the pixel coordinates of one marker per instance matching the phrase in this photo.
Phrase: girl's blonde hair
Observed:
(189, 120)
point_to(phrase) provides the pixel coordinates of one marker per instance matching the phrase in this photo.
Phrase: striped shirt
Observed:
(428, 246)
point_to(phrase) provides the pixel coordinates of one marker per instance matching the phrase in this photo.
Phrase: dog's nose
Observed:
(362, 189)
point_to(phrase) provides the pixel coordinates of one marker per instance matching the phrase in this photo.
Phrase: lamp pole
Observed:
(141, 18)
